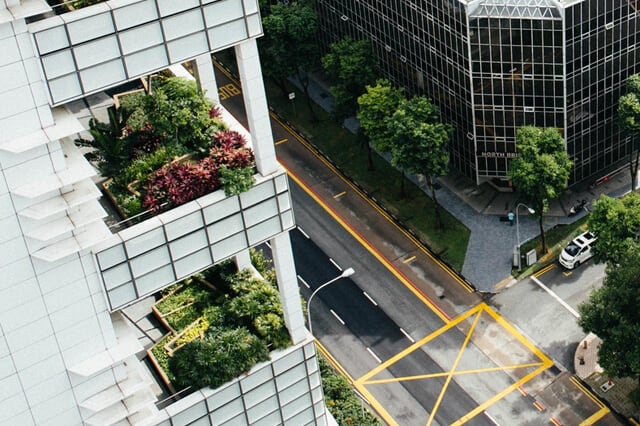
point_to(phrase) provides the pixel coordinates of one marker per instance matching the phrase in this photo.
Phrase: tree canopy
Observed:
(541, 170)
(351, 65)
(612, 314)
(419, 142)
(289, 45)
(616, 222)
(376, 106)
(629, 113)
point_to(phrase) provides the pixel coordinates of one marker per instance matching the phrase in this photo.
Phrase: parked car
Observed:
(578, 250)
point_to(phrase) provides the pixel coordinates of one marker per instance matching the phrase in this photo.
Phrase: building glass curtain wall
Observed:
(495, 65)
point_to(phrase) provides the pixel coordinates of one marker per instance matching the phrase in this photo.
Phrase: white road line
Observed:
(370, 298)
(337, 316)
(303, 281)
(268, 245)
(303, 233)
(374, 355)
(555, 296)
(335, 264)
(411, 339)
(491, 419)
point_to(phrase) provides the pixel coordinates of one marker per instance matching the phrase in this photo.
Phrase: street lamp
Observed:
(531, 211)
(346, 273)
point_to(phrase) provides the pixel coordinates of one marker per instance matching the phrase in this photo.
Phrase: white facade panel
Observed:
(50, 409)
(17, 295)
(14, 75)
(11, 407)
(48, 389)
(141, 38)
(35, 353)
(90, 27)
(13, 251)
(35, 374)
(9, 387)
(29, 334)
(7, 367)
(96, 52)
(183, 24)
(10, 51)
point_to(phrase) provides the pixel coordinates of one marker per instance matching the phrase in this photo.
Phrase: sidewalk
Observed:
(489, 257)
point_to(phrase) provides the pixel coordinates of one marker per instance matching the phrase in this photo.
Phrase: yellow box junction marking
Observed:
(603, 411)
(537, 367)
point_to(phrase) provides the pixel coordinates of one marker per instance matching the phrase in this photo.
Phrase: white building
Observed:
(67, 356)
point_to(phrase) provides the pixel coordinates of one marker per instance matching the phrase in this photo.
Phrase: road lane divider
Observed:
(335, 264)
(304, 234)
(335, 197)
(411, 339)
(369, 247)
(373, 302)
(303, 281)
(340, 320)
(278, 142)
(376, 357)
(410, 259)
(556, 297)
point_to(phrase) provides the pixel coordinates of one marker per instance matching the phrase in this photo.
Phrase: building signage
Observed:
(496, 154)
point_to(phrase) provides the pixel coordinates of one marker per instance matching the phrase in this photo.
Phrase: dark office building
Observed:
(495, 65)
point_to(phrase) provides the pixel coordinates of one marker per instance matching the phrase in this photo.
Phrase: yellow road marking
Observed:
(555, 422)
(374, 252)
(333, 361)
(418, 244)
(545, 270)
(281, 141)
(456, 373)
(339, 195)
(595, 417)
(567, 273)
(409, 259)
(522, 391)
(539, 406)
(633, 421)
(434, 410)
(587, 392)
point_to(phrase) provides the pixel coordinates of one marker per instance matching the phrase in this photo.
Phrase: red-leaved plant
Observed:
(179, 183)
(229, 149)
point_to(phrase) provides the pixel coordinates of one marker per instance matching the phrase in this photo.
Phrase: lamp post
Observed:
(346, 273)
(531, 211)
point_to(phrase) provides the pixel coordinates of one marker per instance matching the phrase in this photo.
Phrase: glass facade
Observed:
(493, 66)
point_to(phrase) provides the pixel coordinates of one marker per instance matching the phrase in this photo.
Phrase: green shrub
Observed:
(341, 400)
(236, 181)
(141, 167)
(222, 355)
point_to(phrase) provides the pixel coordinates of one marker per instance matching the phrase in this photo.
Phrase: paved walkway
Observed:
(489, 257)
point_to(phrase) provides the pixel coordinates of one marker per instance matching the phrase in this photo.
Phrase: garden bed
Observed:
(162, 150)
(234, 317)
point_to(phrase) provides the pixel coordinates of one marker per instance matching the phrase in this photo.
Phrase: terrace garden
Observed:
(221, 322)
(166, 148)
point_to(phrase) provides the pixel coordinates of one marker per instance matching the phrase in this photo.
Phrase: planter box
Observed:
(174, 245)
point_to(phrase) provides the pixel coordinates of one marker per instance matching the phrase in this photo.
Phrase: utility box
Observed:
(532, 257)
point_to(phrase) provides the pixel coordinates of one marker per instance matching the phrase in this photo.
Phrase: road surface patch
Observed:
(475, 325)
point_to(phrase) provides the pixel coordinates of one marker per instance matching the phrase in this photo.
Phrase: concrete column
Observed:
(288, 287)
(243, 260)
(206, 77)
(255, 101)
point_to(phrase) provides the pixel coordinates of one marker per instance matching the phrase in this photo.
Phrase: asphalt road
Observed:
(489, 363)
(354, 323)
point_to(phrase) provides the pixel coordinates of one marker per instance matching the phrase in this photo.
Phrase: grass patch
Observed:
(415, 210)
(557, 238)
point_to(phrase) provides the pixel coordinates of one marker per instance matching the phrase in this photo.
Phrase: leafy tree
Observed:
(289, 46)
(541, 169)
(616, 222)
(419, 142)
(612, 313)
(179, 112)
(629, 112)
(111, 148)
(376, 106)
(351, 65)
(222, 355)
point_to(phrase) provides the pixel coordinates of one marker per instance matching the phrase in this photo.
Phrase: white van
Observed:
(578, 251)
